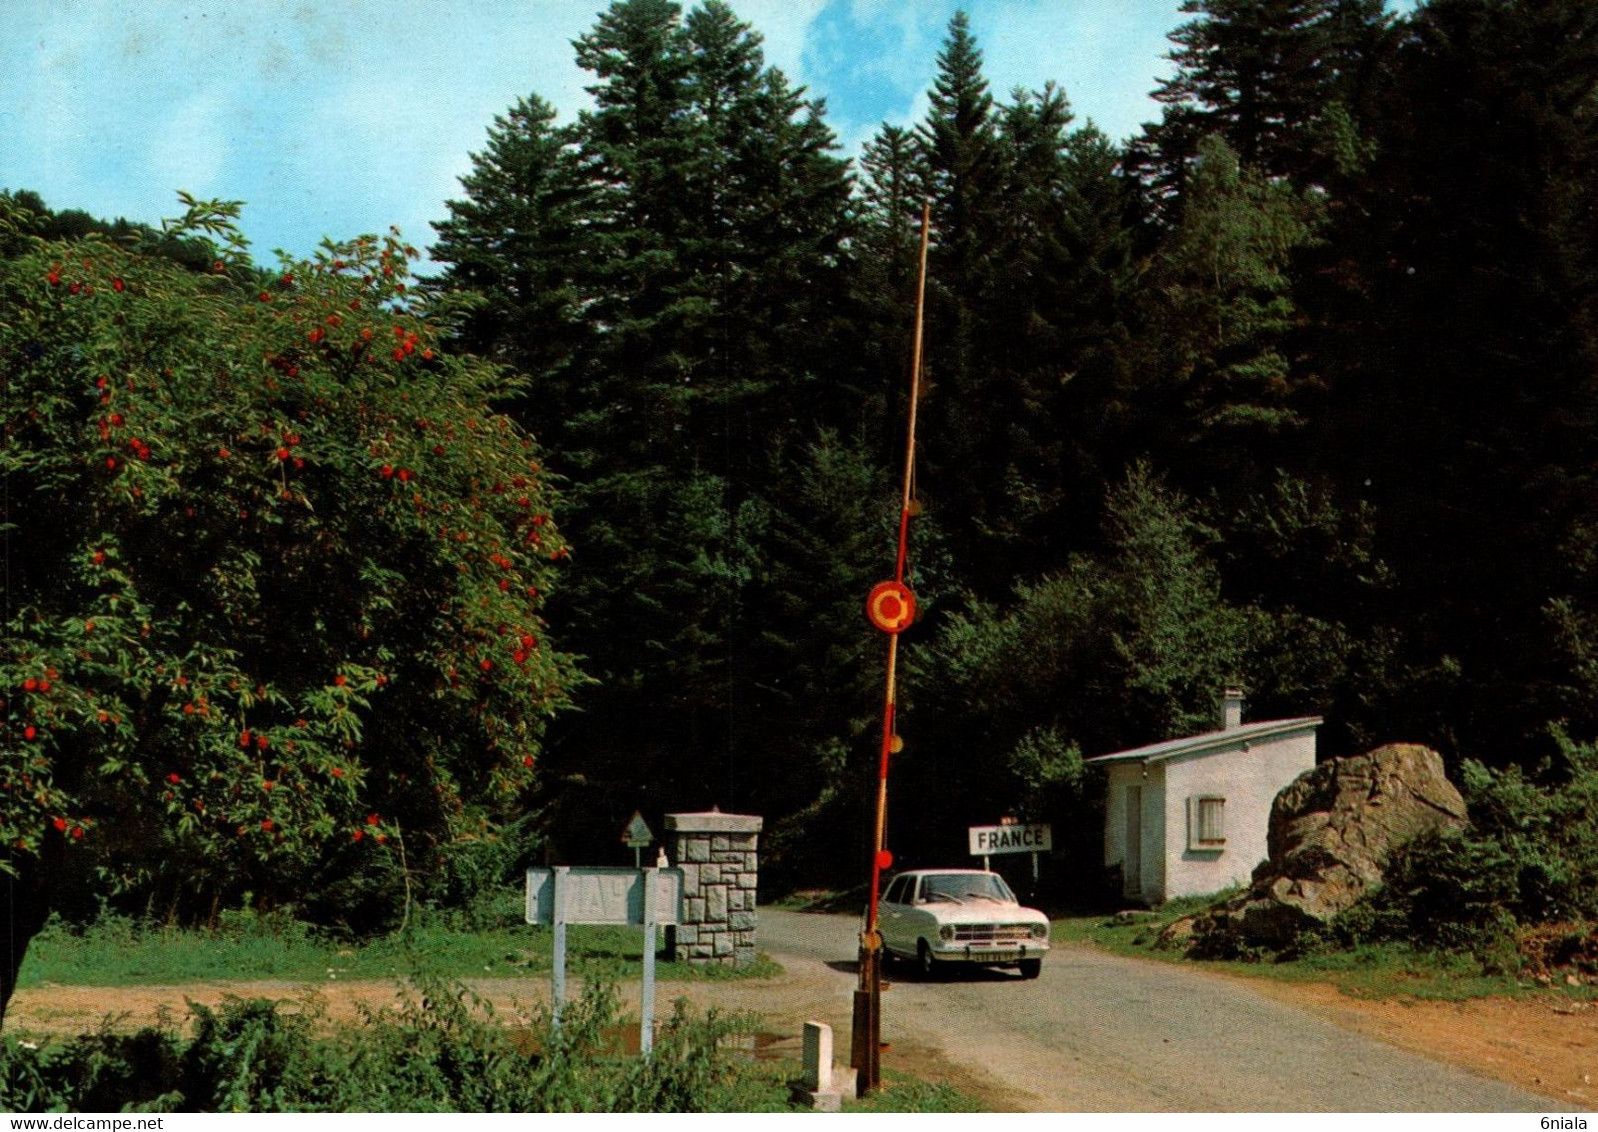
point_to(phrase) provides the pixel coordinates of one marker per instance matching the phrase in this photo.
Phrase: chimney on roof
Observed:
(1231, 704)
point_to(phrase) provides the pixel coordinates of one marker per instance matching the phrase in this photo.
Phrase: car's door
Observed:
(891, 915)
(920, 919)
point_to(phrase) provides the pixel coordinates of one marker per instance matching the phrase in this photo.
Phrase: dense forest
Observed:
(1297, 389)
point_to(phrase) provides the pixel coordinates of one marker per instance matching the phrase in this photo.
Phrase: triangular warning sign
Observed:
(637, 834)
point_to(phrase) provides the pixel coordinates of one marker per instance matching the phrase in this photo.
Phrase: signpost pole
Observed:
(562, 895)
(558, 975)
(646, 1007)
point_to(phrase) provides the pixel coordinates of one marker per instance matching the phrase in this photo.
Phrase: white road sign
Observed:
(991, 840)
(600, 895)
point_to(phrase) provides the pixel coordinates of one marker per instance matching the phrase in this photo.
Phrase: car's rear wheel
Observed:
(925, 963)
(1030, 968)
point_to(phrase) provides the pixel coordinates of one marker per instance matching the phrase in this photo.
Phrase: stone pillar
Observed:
(719, 859)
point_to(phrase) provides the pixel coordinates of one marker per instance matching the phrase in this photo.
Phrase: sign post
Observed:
(637, 837)
(1011, 837)
(566, 895)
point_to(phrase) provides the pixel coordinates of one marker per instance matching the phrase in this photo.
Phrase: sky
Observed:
(343, 117)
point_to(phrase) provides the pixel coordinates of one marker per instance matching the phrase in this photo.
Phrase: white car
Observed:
(938, 916)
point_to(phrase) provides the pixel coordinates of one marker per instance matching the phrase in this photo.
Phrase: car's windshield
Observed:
(961, 887)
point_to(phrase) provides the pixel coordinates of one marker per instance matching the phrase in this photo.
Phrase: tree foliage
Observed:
(1235, 400)
(275, 572)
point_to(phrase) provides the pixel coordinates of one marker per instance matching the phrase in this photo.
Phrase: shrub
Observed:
(1530, 856)
(442, 1049)
(276, 575)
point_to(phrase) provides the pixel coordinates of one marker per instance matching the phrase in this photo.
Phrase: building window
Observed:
(1206, 822)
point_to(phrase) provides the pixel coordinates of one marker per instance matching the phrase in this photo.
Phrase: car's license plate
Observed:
(995, 956)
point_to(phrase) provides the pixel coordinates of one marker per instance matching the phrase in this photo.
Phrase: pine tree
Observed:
(1058, 318)
(1222, 309)
(1285, 82)
(963, 157)
(706, 278)
(964, 165)
(893, 192)
(514, 240)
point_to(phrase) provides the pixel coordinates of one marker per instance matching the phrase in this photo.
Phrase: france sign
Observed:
(991, 840)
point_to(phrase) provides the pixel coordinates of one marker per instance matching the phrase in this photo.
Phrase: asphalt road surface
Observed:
(1100, 1033)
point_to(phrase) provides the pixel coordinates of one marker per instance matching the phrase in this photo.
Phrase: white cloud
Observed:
(190, 146)
(785, 27)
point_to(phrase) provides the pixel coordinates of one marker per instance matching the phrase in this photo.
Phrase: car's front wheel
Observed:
(1030, 968)
(925, 963)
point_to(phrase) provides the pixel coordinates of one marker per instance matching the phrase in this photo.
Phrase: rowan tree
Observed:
(274, 568)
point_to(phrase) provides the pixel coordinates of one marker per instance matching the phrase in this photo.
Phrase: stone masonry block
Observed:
(718, 856)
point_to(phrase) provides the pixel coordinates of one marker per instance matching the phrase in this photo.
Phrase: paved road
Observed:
(1099, 1033)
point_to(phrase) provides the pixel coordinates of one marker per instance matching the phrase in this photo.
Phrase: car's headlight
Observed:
(1039, 931)
(946, 932)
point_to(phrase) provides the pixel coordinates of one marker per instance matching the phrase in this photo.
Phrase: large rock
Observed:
(1332, 831)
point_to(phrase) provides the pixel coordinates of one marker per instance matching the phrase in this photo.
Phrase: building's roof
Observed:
(1211, 741)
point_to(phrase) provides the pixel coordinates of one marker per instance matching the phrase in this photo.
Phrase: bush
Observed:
(99, 1072)
(441, 1050)
(278, 627)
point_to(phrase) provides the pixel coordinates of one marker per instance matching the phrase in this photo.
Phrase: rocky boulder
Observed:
(1332, 831)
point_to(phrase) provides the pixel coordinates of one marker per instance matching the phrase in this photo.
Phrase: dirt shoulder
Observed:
(1544, 1044)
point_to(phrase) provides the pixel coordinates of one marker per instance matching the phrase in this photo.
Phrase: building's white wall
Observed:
(1249, 780)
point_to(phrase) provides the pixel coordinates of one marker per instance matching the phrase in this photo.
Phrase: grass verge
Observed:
(117, 951)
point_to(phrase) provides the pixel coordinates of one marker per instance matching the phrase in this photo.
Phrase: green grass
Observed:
(116, 951)
(900, 1093)
(1376, 971)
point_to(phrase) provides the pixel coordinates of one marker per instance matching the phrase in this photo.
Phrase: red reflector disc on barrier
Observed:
(891, 606)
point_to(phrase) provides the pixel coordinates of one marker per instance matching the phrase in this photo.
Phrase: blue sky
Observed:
(339, 117)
